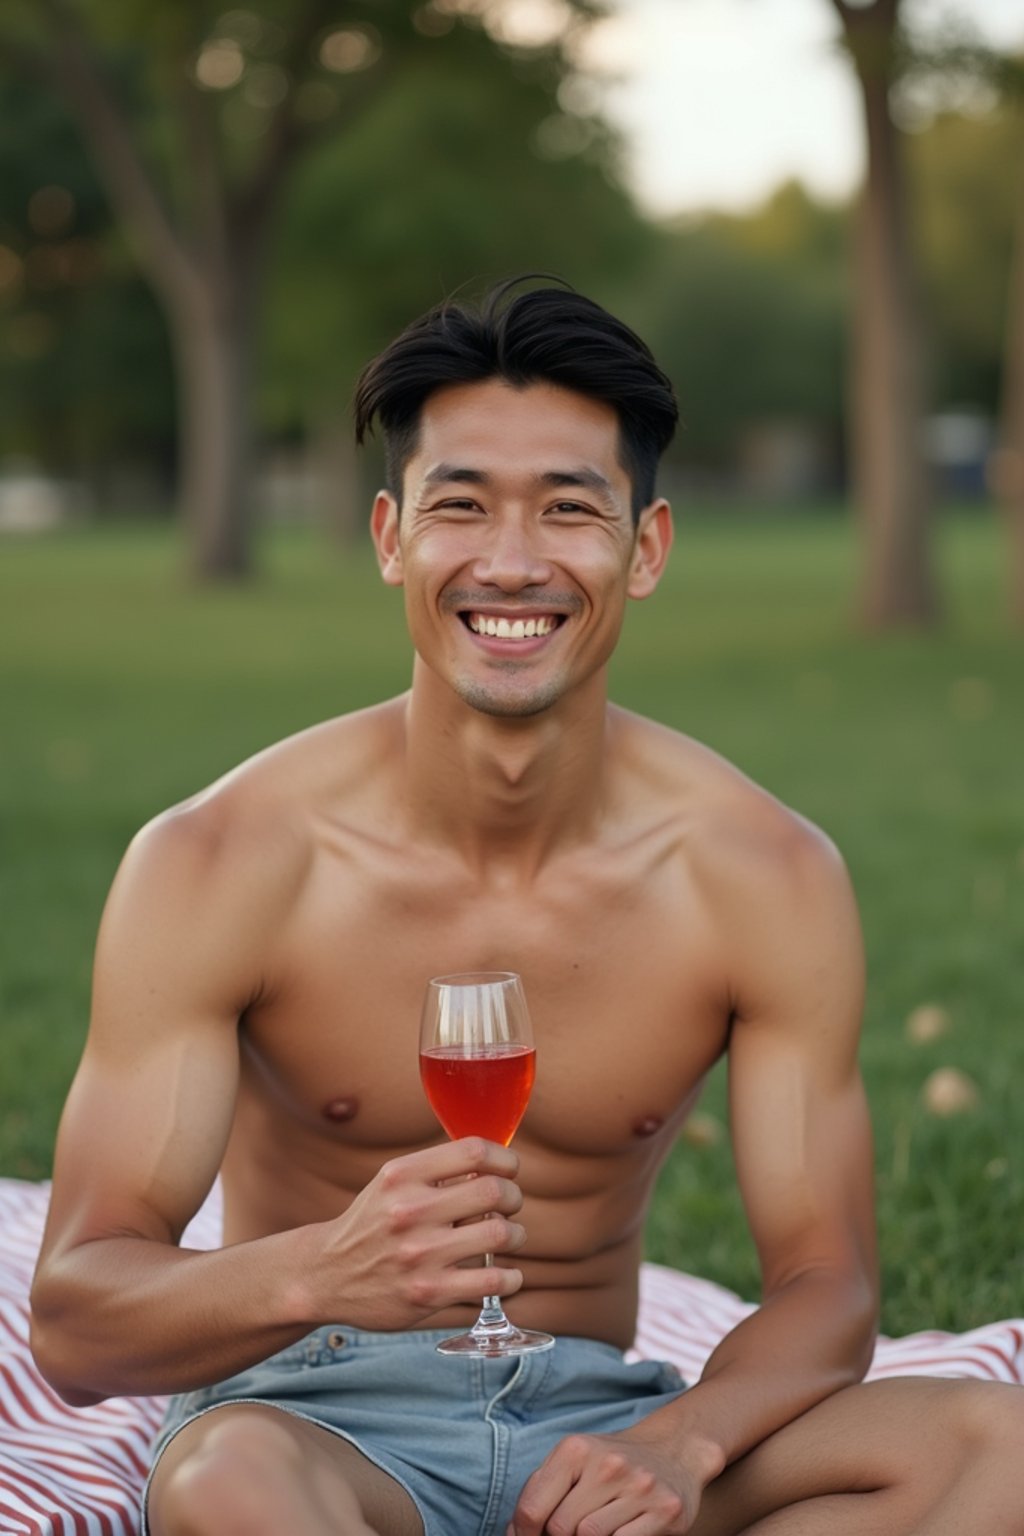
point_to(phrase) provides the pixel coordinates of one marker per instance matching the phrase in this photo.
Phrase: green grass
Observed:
(123, 691)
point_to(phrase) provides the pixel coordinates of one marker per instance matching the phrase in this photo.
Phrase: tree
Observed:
(1010, 457)
(960, 170)
(197, 122)
(956, 61)
(452, 191)
(83, 368)
(887, 387)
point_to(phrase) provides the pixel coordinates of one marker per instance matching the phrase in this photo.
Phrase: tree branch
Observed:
(73, 67)
(287, 136)
(285, 133)
(203, 151)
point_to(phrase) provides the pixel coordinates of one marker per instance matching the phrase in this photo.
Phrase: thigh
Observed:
(328, 1464)
(873, 1436)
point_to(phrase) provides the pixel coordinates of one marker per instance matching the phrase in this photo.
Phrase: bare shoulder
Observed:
(775, 884)
(261, 812)
(227, 864)
(727, 816)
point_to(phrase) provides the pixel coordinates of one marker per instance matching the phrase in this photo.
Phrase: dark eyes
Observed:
(564, 508)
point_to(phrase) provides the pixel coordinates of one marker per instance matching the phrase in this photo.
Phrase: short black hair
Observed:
(549, 334)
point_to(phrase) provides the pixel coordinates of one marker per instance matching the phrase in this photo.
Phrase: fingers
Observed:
(605, 1486)
(440, 1210)
(454, 1160)
(470, 1199)
(544, 1491)
(411, 1241)
(431, 1290)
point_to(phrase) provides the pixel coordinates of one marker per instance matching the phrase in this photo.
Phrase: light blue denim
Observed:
(460, 1436)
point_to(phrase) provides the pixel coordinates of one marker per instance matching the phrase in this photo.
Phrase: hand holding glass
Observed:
(477, 1063)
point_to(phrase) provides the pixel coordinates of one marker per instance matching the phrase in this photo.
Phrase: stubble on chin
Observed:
(507, 703)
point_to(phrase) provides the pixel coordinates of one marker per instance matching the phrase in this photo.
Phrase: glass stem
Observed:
(492, 1314)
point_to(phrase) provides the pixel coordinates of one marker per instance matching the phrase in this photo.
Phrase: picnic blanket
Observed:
(79, 1471)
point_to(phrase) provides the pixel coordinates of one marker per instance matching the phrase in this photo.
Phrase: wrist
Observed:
(705, 1456)
(689, 1441)
(297, 1294)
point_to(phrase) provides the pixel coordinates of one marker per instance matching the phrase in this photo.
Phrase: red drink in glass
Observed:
(480, 1094)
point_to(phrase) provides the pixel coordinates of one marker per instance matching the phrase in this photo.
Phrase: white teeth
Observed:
(510, 629)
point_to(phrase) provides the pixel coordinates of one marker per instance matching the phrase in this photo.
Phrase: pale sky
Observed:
(724, 99)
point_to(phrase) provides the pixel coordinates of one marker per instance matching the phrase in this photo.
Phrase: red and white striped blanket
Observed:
(79, 1471)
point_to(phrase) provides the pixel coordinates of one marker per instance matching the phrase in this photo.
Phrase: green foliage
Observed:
(430, 150)
(124, 693)
(747, 316)
(967, 188)
(469, 172)
(84, 373)
(449, 157)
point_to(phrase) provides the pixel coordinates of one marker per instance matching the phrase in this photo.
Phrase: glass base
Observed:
(495, 1342)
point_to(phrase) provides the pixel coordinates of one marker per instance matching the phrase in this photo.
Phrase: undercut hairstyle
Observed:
(539, 335)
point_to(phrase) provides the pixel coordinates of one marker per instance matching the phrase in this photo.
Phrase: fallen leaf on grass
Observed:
(926, 1023)
(948, 1091)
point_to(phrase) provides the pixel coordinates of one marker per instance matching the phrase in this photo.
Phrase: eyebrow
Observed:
(590, 479)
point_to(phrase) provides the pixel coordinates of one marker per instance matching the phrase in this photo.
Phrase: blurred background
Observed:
(813, 210)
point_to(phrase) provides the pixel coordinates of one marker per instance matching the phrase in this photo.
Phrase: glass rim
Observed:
(474, 979)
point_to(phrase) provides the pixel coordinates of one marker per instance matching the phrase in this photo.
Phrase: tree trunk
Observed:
(212, 323)
(1009, 467)
(887, 407)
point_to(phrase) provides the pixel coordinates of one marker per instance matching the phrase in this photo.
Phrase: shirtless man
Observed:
(259, 976)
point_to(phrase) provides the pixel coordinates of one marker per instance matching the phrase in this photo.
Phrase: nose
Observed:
(510, 559)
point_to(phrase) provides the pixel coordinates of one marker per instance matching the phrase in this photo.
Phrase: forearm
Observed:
(120, 1315)
(808, 1340)
(125, 1316)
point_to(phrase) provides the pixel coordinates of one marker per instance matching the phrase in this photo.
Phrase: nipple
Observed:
(341, 1109)
(648, 1125)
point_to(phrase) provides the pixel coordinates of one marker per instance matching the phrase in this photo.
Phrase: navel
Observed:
(648, 1125)
(341, 1109)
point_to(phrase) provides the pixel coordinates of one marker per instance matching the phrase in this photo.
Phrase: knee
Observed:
(228, 1481)
(991, 1418)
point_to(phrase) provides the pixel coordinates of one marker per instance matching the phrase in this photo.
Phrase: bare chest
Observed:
(625, 1000)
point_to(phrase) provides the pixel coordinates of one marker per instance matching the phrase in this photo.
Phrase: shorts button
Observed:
(336, 1340)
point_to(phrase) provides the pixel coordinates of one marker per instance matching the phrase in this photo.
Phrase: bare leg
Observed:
(908, 1457)
(250, 1470)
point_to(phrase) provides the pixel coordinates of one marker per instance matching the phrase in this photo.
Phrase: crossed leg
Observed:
(909, 1457)
(254, 1470)
(905, 1457)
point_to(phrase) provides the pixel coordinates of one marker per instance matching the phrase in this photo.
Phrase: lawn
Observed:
(122, 691)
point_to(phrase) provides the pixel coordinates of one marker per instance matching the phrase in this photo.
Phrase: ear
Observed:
(650, 548)
(384, 528)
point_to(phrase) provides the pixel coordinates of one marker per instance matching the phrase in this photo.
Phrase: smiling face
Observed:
(516, 544)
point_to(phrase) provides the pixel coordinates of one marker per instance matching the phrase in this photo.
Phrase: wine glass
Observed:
(477, 1063)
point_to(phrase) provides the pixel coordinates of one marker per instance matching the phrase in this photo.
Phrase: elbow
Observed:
(54, 1355)
(863, 1318)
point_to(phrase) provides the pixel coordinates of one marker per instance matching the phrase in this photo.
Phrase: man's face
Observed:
(516, 544)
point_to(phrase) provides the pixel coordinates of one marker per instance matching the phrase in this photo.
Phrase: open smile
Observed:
(503, 627)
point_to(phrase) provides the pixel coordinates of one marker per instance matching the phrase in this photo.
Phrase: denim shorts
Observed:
(460, 1436)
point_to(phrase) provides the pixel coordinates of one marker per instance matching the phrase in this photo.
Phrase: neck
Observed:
(504, 791)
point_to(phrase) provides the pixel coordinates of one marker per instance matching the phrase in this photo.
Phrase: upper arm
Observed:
(800, 1125)
(150, 1110)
